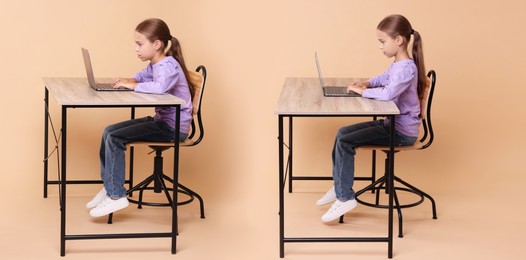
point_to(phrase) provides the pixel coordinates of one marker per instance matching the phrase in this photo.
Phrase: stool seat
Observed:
(416, 146)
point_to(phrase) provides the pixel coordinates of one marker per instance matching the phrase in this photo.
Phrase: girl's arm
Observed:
(128, 83)
(131, 83)
(397, 84)
(166, 79)
(360, 87)
(379, 80)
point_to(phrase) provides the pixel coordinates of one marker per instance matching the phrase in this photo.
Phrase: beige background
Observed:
(474, 169)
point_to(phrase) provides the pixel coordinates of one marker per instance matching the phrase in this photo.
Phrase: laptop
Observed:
(91, 77)
(332, 91)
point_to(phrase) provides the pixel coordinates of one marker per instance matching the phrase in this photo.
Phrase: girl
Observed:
(403, 83)
(166, 74)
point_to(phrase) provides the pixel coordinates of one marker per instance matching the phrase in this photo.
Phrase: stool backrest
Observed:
(198, 80)
(425, 110)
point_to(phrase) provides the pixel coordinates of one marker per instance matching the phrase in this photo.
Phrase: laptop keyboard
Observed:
(335, 90)
(104, 85)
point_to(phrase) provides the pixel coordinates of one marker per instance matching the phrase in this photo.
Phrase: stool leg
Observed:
(433, 205)
(139, 205)
(166, 192)
(400, 219)
(386, 171)
(193, 193)
(373, 174)
(158, 171)
(380, 187)
(201, 203)
(143, 187)
(386, 190)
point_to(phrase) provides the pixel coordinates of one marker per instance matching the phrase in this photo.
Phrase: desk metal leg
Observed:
(390, 182)
(46, 139)
(175, 228)
(132, 155)
(290, 155)
(373, 166)
(281, 187)
(63, 185)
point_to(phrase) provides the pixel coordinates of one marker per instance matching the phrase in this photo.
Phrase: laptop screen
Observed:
(319, 69)
(89, 69)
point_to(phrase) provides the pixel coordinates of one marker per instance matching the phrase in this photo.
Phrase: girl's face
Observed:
(145, 49)
(389, 46)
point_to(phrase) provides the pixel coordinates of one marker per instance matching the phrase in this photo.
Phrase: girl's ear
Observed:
(157, 44)
(399, 40)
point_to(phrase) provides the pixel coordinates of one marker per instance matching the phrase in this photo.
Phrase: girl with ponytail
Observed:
(403, 83)
(165, 74)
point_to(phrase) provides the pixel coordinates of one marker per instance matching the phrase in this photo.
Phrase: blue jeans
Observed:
(113, 146)
(349, 137)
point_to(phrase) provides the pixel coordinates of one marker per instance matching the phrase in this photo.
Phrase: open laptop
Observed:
(91, 77)
(332, 91)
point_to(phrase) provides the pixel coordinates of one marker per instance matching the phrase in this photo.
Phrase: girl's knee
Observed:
(107, 131)
(116, 142)
(345, 147)
(341, 132)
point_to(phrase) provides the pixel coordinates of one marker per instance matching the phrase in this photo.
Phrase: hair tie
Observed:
(171, 37)
(412, 31)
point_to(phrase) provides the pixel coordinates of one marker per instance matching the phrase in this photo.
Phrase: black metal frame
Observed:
(63, 179)
(380, 184)
(287, 170)
(158, 177)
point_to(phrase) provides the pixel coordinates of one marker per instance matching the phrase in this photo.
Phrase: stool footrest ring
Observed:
(377, 205)
(156, 204)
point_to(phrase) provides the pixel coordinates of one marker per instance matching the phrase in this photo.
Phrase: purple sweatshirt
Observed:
(399, 83)
(167, 77)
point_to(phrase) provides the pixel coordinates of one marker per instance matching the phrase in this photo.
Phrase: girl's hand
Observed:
(128, 83)
(358, 87)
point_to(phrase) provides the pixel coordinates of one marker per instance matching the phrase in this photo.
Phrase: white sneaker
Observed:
(100, 197)
(109, 206)
(329, 197)
(337, 209)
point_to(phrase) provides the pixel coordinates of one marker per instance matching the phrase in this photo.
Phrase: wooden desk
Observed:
(303, 97)
(76, 93)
